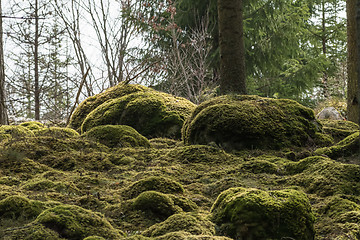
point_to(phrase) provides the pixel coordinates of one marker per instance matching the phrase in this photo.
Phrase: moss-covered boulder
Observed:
(151, 113)
(32, 125)
(14, 132)
(238, 122)
(156, 203)
(182, 235)
(117, 136)
(73, 222)
(195, 224)
(14, 207)
(255, 214)
(93, 102)
(339, 129)
(159, 184)
(324, 176)
(346, 147)
(56, 132)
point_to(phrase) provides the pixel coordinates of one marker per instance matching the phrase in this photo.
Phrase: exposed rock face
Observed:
(151, 113)
(255, 214)
(330, 113)
(238, 122)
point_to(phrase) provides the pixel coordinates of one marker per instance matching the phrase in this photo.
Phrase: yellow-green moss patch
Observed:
(93, 102)
(151, 113)
(15, 207)
(255, 214)
(339, 129)
(238, 122)
(14, 132)
(73, 222)
(196, 224)
(117, 136)
(346, 147)
(159, 184)
(32, 125)
(56, 132)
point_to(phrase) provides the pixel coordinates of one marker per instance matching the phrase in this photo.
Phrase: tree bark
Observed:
(3, 112)
(232, 49)
(352, 99)
(36, 58)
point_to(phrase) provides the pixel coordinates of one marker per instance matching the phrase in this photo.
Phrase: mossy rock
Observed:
(93, 102)
(56, 132)
(73, 222)
(324, 176)
(199, 154)
(94, 238)
(195, 224)
(158, 204)
(117, 136)
(32, 125)
(164, 143)
(151, 113)
(235, 122)
(339, 129)
(346, 147)
(14, 132)
(14, 207)
(32, 231)
(159, 184)
(182, 235)
(255, 214)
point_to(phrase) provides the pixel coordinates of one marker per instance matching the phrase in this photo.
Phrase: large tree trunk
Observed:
(352, 99)
(3, 113)
(232, 50)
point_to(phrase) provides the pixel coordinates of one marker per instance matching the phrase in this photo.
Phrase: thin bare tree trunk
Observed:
(36, 58)
(3, 112)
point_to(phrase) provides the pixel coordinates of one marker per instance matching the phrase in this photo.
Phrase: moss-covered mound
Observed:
(237, 122)
(346, 147)
(32, 125)
(14, 132)
(255, 214)
(159, 184)
(56, 132)
(156, 203)
(195, 224)
(73, 222)
(14, 207)
(93, 102)
(325, 176)
(339, 129)
(151, 113)
(117, 136)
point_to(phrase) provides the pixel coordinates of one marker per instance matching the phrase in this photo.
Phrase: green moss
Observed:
(94, 238)
(14, 132)
(32, 125)
(46, 185)
(181, 235)
(73, 222)
(151, 113)
(117, 136)
(259, 166)
(196, 224)
(93, 102)
(324, 176)
(346, 147)
(238, 122)
(199, 154)
(256, 214)
(159, 184)
(56, 132)
(15, 207)
(339, 129)
(164, 143)
(32, 231)
(159, 204)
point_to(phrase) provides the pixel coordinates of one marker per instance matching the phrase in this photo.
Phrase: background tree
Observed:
(352, 99)
(3, 111)
(232, 49)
